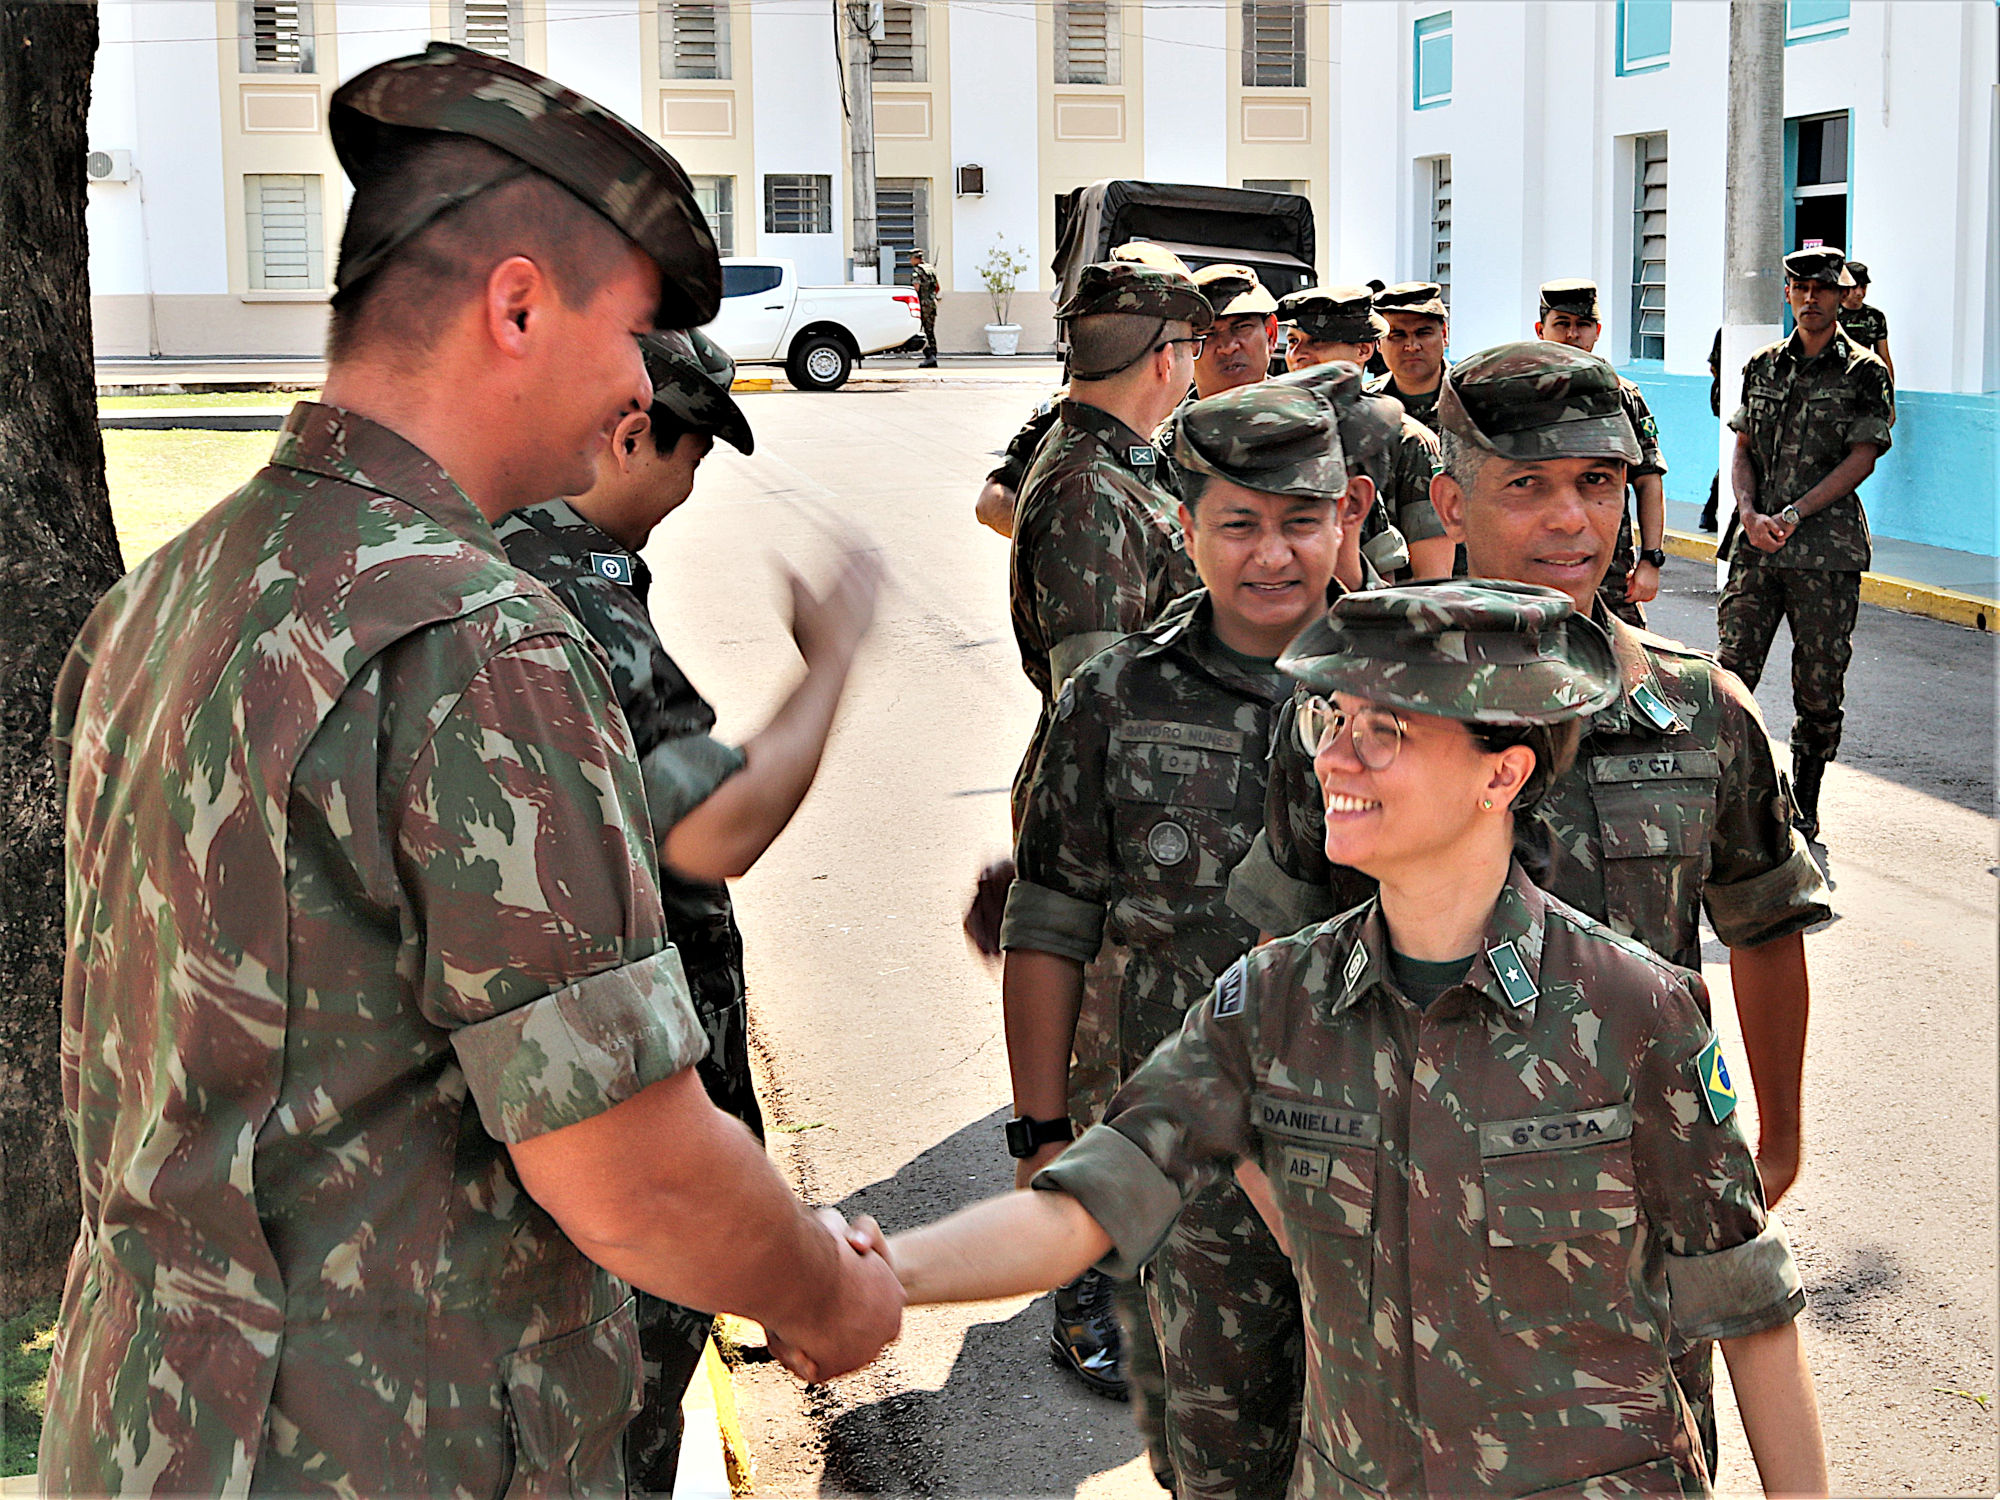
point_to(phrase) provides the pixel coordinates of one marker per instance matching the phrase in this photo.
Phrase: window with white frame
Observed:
(493, 26)
(1087, 41)
(694, 39)
(1274, 44)
(274, 36)
(1645, 35)
(716, 197)
(798, 204)
(902, 220)
(1649, 247)
(1430, 62)
(1437, 237)
(1810, 20)
(902, 55)
(283, 233)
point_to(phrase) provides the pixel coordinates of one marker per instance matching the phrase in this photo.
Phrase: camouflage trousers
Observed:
(930, 333)
(1232, 1351)
(672, 1337)
(1821, 606)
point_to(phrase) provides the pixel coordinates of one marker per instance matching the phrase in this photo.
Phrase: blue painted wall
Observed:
(1939, 484)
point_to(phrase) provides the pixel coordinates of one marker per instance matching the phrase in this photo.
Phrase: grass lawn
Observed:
(162, 481)
(25, 1343)
(282, 400)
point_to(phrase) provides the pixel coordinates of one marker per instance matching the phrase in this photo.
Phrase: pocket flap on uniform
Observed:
(1650, 818)
(570, 1400)
(1182, 765)
(1535, 1197)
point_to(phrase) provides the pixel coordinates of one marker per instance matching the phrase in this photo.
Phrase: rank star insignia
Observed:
(1718, 1091)
(1512, 974)
(1140, 455)
(615, 566)
(1657, 713)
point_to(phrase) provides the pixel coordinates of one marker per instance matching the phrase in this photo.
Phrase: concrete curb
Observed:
(1901, 594)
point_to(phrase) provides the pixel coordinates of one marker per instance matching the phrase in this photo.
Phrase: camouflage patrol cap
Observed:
(1423, 297)
(691, 376)
(1826, 266)
(1337, 314)
(1369, 421)
(1470, 649)
(1858, 271)
(1146, 253)
(1231, 290)
(1122, 286)
(1537, 400)
(1572, 295)
(606, 163)
(1277, 439)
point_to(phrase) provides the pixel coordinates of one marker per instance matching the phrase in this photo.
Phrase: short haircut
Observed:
(1114, 342)
(405, 302)
(668, 430)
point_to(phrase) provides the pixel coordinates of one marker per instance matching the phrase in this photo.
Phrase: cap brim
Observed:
(716, 414)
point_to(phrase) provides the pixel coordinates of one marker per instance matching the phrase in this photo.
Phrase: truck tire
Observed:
(819, 362)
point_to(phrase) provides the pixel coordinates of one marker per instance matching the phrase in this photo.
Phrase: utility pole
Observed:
(1753, 300)
(863, 30)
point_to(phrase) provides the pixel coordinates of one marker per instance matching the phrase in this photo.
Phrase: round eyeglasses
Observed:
(1378, 733)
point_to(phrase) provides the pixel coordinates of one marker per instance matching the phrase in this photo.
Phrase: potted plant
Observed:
(1002, 273)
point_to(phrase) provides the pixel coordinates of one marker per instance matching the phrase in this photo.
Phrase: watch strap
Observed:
(1027, 1135)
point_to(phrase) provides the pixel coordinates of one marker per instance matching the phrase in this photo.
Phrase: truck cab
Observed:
(818, 333)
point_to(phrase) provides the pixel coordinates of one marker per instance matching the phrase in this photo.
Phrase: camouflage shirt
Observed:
(1867, 325)
(1402, 473)
(681, 762)
(924, 282)
(1675, 803)
(1801, 416)
(1097, 550)
(360, 892)
(1149, 789)
(1492, 1201)
(1424, 407)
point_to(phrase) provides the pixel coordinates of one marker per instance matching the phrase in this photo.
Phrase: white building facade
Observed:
(1489, 144)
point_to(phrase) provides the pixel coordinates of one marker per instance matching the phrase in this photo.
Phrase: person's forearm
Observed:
(1040, 996)
(995, 507)
(1432, 557)
(1773, 1006)
(1651, 494)
(1780, 1410)
(1846, 477)
(1025, 1242)
(724, 834)
(1743, 478)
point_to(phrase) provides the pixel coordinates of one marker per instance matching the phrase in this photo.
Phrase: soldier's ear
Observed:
(1448, 500)
(1353, 507)
(628, 439)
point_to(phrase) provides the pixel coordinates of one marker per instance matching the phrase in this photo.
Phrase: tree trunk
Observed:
(58, 554)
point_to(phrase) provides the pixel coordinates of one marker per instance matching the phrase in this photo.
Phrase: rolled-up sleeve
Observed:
(1742, 1290)
(1046, 921)
(680, 775)
(1123, 1189)
(1270, 900)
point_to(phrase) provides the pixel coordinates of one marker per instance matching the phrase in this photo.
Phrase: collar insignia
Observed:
(1512, 974)
(1140, 455)
(1657, 713)
(615, 566)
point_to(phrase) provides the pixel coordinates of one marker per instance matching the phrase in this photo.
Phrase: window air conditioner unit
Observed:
(108, 166)
(971, 181)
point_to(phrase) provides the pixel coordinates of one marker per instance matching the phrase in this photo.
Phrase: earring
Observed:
(1487, 803)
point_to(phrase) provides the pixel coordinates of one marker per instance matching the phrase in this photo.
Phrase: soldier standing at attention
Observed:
(1413, 348)
(1340, 323)
(1570, 316)
(1149, 787)
(1863, 321)
(1675, 804)
(924, 282)
(1816, 414)
(714, 808)
(377, 1058)
(1498, 1140)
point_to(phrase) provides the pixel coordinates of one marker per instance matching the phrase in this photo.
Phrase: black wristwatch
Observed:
(1657, 556)
(1026, 1135)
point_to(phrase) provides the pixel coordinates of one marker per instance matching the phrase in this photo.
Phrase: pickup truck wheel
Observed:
(819, 363)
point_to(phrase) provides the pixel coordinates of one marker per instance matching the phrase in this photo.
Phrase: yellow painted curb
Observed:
(1949, 605)
(735, 1451)
(753, 383)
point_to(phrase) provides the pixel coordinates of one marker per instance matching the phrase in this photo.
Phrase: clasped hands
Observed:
(862, 1320)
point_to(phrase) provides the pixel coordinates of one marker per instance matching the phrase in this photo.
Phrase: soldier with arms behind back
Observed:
(378, 1060)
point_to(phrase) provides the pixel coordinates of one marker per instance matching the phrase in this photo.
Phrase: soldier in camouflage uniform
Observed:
(1675, 804)
(1570, 315)
(1340, 323)
(586, 549)
(1864, 322)
(1419, 328)
(1501, 1175)
(924, 282)
(1816, 414)
(1148, 790)
(367, 985)
(1237, 352)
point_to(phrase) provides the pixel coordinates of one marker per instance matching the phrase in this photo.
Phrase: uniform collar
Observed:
(1507, 970)
(1187, 626)
(1644, 706)
(1130, 449)
(1839, 349)
(335, 443)
(583, 538)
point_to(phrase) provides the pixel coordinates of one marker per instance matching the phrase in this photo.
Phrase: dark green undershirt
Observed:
(1423, 981)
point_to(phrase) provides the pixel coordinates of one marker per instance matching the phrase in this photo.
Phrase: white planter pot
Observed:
(1003, 338)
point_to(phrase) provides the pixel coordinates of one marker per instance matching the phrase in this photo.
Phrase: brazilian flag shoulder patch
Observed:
(1713, 1083)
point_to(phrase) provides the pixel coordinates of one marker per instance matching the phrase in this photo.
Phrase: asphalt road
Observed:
(885, 1069)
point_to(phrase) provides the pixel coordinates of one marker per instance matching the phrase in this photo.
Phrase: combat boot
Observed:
(1807, 772)
(1085, 1340)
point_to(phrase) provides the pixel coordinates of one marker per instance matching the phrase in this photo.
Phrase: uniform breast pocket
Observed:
(1321, 1161)
(1173, 790)
(1562, 1209)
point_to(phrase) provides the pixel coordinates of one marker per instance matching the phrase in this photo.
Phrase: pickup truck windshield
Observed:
(742, 281)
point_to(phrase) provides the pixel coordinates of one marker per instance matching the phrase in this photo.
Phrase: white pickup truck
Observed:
(816, 332)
